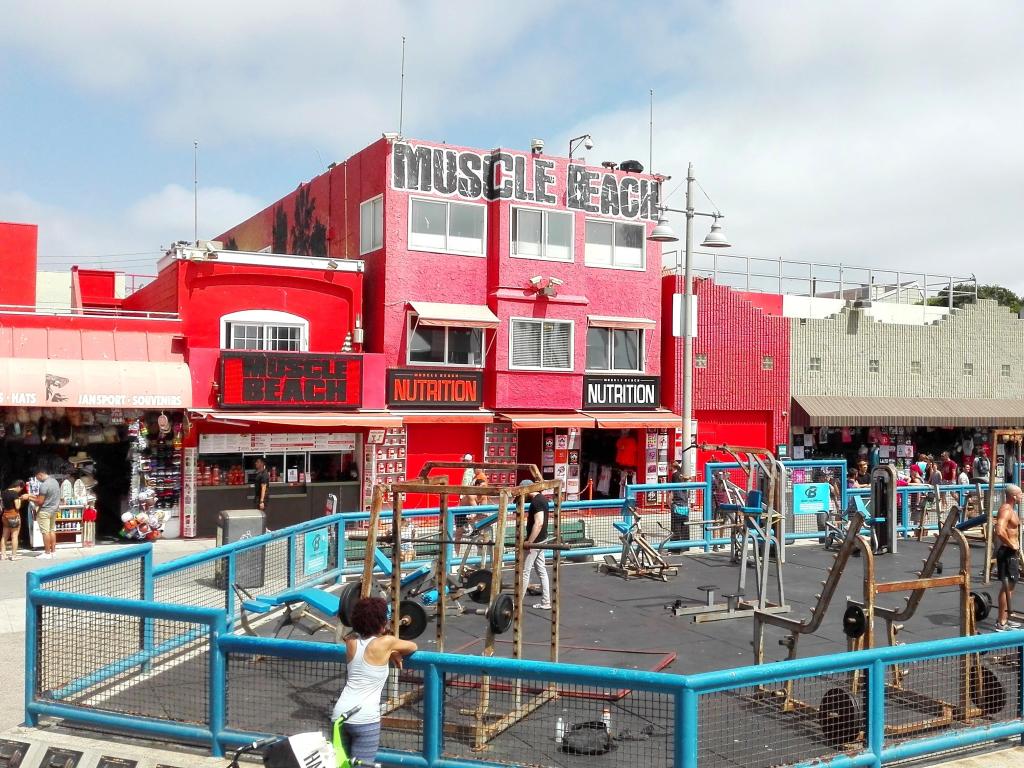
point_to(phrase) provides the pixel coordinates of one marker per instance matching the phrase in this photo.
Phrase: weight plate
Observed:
(478, 586)
(347, 600)
(855, 621)
(987, 691)
(499, 614)
(839, 718)
(412, 619)
(982, 605)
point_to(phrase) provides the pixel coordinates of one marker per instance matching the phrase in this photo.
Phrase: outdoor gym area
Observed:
(773, 634)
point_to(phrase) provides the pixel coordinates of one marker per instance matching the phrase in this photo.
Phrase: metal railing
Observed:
(61, 310)
(836, 281)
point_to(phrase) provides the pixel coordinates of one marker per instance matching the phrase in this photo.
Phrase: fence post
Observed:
(686, 728)
(146, 625)
(1020, 686)
(433, 714)
(291, 559)
(218, 675)
(876, 711)
(31, 642)
(340, 538)
(229, 591)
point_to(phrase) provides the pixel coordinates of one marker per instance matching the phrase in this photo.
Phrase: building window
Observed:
(873, 366)
(371, 225)
(615, 349)
(915, 366)
(767, 363)
(814, 364)
(538, 234)
(614, 244)
(968, 369)
(700, 361)
(445, 345)
(438, 225)
(264, 330)
(545, 344)
(1005, 371)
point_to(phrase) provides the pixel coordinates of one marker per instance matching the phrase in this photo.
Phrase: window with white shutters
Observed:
(544, 344)
(371, 225)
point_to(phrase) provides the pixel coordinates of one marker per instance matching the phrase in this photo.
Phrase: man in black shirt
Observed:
(536, 533)
(680, 504)
(261, 485)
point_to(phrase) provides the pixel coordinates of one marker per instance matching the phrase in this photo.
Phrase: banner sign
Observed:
(434, 388)
(811, 498)
(289, 380)
(501, 175)
(621, 393)
(314, 552)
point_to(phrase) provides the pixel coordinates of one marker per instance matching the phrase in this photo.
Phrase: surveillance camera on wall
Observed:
(536, 280)
(555, 281)
(588, 143)
(536, 146)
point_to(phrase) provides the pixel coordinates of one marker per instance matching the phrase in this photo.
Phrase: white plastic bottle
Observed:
(559, 729)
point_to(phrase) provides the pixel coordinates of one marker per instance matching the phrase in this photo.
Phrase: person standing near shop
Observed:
(1007, 535)
(47, 502)
(461, 521)
(12, 519)
(680, 505)
(981, 472)
(536, 533)
(261, 485)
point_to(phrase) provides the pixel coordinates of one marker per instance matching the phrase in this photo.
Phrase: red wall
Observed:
(734, 400)
(18, 261)
(440, 442)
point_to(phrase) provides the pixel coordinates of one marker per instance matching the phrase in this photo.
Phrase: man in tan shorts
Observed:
(47, 503)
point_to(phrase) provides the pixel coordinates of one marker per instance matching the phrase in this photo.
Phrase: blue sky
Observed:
(865, 133)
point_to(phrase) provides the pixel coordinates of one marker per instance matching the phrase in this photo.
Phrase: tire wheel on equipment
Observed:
(478, 586)
(347, 600)
(499, 614)
(839, 717)
(987, 691)
(855, 621)
(982, 605)
(412, 620)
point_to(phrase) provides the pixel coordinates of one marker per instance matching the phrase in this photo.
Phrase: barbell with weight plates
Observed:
(855, 621)
(499, 613)
(982, 602)
(478, 586)
(412, 618)
(839, 717)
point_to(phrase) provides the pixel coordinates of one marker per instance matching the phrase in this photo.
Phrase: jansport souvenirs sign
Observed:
(501, 175)
(621, 393)
(289, 380)
(434, 388)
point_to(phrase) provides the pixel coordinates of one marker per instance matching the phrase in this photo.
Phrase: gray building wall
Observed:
(985, 334)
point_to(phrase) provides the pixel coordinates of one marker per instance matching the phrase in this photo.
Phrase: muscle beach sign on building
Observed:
(502, 175)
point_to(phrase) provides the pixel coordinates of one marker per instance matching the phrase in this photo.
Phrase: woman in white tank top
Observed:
(369, 651)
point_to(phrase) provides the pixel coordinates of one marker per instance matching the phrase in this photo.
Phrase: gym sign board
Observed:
(501, 175)
(621, 393)
(434, 388)
(811, 498)
(289, 380)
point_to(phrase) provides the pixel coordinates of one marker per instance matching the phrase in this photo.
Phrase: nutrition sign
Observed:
(289, 380)
(429, 388)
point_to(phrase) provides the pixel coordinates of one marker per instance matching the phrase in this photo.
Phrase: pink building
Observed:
(515, 297)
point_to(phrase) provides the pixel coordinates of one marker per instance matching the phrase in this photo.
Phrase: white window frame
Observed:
(572, 344)
(447, 218)
(373, 246)
(641, 358)
(411, 323)
(613, 265)
(814, 364)
(266, 318)
(544, 212)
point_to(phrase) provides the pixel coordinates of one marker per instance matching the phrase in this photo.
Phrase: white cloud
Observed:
(132, 239)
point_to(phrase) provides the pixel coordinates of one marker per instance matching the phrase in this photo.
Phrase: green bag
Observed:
(340, 755)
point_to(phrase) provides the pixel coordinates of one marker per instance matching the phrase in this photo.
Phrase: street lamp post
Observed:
(663, 233)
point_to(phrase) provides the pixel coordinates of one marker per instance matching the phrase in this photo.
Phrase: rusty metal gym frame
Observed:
(485, 726)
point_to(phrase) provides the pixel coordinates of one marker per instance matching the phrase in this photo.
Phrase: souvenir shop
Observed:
(118, 468)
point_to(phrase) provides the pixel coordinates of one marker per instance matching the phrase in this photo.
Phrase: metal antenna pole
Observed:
(195, 192)
(401, 92)
(650, 139)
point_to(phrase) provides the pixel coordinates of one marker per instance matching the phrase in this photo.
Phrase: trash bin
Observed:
(237, 525)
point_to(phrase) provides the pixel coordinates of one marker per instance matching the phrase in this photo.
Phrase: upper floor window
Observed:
(371, 225)
(968, 369)
(767, 363)
(700, 360)
(440, 225)
(873, 366)
(265, 330)
(1005, 370)
(545, 344)
(614, 244)
(814, 364)
(915, 366)
(446, 345)
(538, 234)
(615, 349)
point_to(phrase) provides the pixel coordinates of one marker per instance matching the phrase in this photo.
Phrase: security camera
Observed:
(536, 146)
(588, 143)
(536, 280)
(555, 281)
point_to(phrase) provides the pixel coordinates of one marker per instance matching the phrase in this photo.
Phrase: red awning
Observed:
(635, 419)
(299, 419)
(95, 383)
(439, 417)
(540, 419)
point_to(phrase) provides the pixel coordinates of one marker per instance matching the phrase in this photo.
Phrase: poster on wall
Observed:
(314, 552)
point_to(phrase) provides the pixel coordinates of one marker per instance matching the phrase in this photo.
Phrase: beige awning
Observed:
(605, 321)
(818, 411)
(465, 315)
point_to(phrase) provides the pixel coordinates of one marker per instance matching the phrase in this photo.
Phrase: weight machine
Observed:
(638, 558)
(757, 528)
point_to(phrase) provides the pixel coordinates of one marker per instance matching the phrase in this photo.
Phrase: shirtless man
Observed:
(1007, 535)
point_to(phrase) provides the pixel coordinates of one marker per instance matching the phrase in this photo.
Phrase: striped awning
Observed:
(819, 411)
